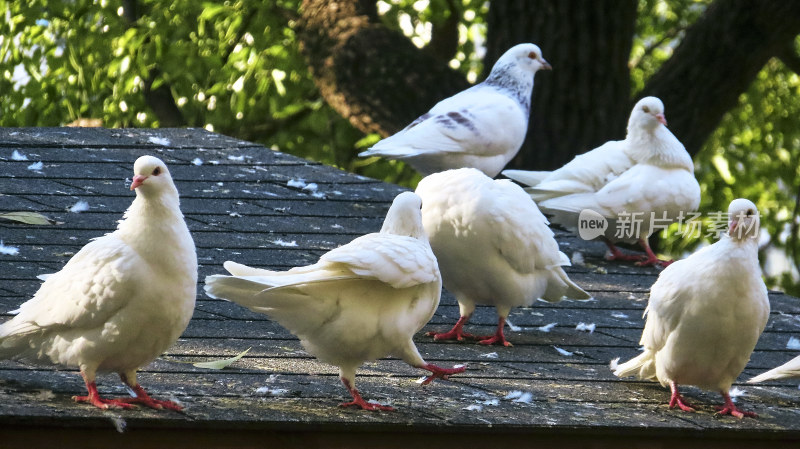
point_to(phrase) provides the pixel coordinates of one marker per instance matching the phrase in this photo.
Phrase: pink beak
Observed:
(137, 181)
(661, 119)
(732, 227)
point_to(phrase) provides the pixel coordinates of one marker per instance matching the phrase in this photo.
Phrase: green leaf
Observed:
(220, 364)
(33, 218)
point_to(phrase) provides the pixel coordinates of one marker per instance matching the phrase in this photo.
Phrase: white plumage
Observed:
(649, 174)
(787, 370)
(482, 127)
(493, 245)
(705, 315)
(360, 302)
(122, 300)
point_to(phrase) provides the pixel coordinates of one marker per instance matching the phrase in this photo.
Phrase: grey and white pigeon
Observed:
(482, 127)
(705, 315)
(121, 301)
(636, 185)
(360, 302)
(493, 245)
(787, 370)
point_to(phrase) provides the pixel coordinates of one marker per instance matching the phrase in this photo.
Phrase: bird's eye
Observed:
(157, 171)
(749, 212)
(533, 55)
(646, 109)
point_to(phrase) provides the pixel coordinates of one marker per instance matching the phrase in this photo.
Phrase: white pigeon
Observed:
(705, 315)
(360, 302)
(493, 245)
(121, 301)
(637, 185)
(482, 127)
(787, 370)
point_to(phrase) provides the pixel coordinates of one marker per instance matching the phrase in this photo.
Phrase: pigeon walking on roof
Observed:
(121, 301)
(482, 127)
(787, 370)
(637, 185)
(705, 315)
(360, 302)
(493, 245)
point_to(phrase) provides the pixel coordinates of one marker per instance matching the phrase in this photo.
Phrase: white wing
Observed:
(788, 369)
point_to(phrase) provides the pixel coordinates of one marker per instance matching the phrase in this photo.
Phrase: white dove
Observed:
(705, 315)
(121, 301)
(637, 185)
(787, 370)
(493, 245)
(482, 127)
(360, 302)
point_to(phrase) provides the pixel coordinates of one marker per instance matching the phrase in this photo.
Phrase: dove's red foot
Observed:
(677, 399)
(653, 261)
(456, 333)
(142, 398)
(94, 398)
(358, 401)
(730, 409)
(438, 372)
(498, 338)
(617, 254)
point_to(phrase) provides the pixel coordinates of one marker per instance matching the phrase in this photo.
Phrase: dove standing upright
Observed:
(493, 245)
(360, 302)
(121, 301)
(482, 127)
(638, 184)
(705, 315)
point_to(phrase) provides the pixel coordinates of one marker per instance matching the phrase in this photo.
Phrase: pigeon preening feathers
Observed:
(360, 302)
(705, 315)
(482, 127)
(493, 246)
(637, 185)
(121, 301)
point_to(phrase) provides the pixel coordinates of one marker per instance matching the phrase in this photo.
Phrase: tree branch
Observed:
(718, 59)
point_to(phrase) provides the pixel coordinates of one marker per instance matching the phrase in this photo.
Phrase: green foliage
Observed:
(235, 67)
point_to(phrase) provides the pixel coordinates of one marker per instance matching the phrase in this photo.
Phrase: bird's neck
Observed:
(657, 147)
(155, 228)
(516, 82)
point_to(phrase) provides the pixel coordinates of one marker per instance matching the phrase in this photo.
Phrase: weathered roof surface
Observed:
(241, 203)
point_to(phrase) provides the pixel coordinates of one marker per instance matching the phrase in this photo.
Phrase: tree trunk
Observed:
(719, 57)
(584, 101)
(371, 75)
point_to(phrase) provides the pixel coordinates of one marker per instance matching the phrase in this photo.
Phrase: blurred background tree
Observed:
(326, 79)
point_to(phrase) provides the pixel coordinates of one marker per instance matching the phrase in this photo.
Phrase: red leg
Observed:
(730, 408)
(677, 399)
(358, 401)
(617, 254)
(456, 333)
(439, 372)
(144, 399)
(498, 338)
(93, 397)
(651, 259)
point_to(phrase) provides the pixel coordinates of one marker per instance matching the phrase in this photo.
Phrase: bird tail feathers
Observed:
(529, 178)
(559, 286)
(789, 369)
(643, 366)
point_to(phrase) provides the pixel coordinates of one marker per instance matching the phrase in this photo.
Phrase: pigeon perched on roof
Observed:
(482, 127)
(360, 302)
(787, 370)
(121, 301)
(705, 315)
(493, 245)
(637, 185)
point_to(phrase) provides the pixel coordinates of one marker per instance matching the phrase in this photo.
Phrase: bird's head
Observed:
(743, 221)
(648, 113)
(405, 216)
(151, 177)
(526, 56)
